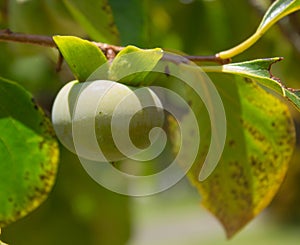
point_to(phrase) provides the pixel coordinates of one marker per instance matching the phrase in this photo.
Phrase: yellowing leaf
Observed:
(259, 145)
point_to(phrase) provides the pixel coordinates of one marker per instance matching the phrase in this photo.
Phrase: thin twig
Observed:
(209, 58)
(187, 58)
(7, 35)
(110, 51)
(59, 62)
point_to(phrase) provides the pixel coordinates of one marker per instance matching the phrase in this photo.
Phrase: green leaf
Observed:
(276, 11)
(132, 65)
(129, 15)
(79, 208)
(260, 71)
(28, 153)
(95, 16)
(293, 96)
(82, 56)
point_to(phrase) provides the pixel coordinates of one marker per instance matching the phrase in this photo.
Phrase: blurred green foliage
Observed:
(79, 211)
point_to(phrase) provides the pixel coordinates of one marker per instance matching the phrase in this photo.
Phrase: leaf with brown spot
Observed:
(28, 153)
(250, 172)
(260, 141)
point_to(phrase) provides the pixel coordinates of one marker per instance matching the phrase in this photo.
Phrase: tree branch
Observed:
(7, 35)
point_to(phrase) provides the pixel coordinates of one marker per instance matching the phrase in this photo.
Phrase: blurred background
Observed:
(79, 211)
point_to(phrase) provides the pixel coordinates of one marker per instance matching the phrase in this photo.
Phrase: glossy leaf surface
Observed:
(83, 57)
(132, 65)
(260, 71)
(28, 153)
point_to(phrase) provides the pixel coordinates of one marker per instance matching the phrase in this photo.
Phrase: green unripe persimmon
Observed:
(109, 113)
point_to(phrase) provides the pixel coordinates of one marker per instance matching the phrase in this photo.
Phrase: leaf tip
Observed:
(232, 229)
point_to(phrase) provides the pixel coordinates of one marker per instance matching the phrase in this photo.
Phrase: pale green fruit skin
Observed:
(110, 96)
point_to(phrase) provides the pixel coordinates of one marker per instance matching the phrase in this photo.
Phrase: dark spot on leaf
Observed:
(34, 104)
(231, 143)
(238, 174)
(18, 214)
(106, 8)
(167, 71)
(253, 131)
(43, 177)
(41, 144)
(247, 80)
(10, 199)
(280, 143)
(112, 25)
